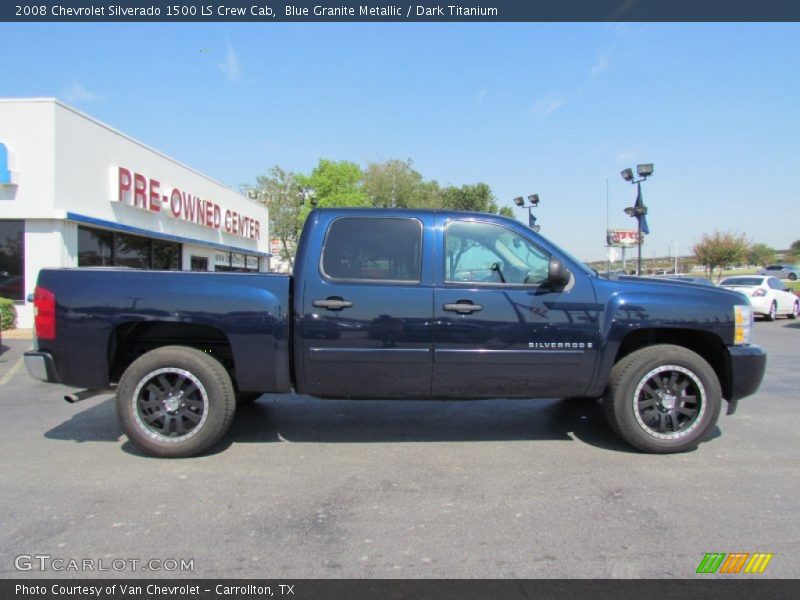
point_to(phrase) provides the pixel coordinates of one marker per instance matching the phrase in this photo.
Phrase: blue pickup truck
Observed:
(397, 304)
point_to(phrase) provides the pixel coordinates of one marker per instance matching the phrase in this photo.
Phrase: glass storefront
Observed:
(12, 260)
(235, 261)
(102, 248)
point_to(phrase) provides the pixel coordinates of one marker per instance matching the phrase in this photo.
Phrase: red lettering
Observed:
(139, 187)
(258, 230)
(124, 185)
(228, 221)
(155, 196)
(175, 203)
(209, 213)
(217, 216)
(200, 210)
(188, 207)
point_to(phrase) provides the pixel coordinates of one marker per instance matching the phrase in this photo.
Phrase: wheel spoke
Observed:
(154, 416)
(180, 427)
(673, 379)
(165, 384)
(647, 403)
(688, 412)
(192, 416)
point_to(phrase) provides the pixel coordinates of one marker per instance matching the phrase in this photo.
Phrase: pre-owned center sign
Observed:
(146, 193)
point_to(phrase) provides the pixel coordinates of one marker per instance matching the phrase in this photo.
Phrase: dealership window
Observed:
(95, 247)
(102, 248)
(12, 260)
(233, 261)
(166, 256)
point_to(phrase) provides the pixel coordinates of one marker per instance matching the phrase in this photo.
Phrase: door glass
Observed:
(378, 249)
(485, 253)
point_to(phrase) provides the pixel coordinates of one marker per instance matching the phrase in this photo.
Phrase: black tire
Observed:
(243, 398)
(792, 277)
(795, 310)
(773, 312)
(676, 415)
(175, 402)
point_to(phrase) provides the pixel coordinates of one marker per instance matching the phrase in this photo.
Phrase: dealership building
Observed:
(75, 192)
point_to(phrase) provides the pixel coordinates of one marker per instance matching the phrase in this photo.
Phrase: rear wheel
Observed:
(773, 312)
(663, 399)
(175, 402)
(792, 277)
(795, 310)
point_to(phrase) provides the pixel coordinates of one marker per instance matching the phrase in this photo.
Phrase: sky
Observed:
(547, 108)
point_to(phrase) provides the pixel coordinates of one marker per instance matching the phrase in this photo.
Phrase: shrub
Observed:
(8, 314)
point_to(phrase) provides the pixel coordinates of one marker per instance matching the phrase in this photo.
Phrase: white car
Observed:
(768, 296)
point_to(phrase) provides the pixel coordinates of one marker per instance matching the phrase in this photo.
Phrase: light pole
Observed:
(533, 201)
(638, 210)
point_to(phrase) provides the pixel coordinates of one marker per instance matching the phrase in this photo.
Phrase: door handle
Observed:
(463, 307)
(332, 303)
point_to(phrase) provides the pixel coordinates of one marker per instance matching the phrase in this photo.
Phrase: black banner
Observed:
(268, 11)
(400, 589)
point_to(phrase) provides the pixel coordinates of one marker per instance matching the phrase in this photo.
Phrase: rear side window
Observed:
(373, 249)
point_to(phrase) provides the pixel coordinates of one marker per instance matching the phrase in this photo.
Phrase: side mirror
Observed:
(557, 274)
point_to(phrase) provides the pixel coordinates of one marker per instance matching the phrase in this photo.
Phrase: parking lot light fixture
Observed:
(533, 201)
(638, 210)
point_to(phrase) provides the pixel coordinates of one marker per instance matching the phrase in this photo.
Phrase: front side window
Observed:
(485, 253)
(373, 249)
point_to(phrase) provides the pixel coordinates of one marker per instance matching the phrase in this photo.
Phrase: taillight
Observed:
(44, 307)
(759, 292)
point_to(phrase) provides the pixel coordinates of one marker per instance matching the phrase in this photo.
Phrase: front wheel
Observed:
(175, 402)
(663, 399)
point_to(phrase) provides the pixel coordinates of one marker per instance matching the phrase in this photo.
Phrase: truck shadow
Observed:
(305, 419)
(98, 423)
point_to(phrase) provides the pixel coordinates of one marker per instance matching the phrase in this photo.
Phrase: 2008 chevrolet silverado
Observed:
(395, 304)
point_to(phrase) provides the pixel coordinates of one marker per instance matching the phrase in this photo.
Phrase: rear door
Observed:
(366, 323)
(500, 330)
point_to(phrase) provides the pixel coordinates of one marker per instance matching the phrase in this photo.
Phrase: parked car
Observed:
(397, 304)
(768, 296)
(782, 271)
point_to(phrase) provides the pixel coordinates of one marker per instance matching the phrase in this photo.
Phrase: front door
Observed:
(499, 329)
(366, 324)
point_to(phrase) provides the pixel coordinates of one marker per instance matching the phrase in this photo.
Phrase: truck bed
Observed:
(112, 316)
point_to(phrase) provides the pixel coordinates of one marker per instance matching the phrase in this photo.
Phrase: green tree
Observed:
(720, 250)
(760, 254)
(396, 184)
(335, 184)
(794, 250)
(477, 197)
(281, 192)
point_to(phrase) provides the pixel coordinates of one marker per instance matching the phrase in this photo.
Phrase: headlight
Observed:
(743, 324)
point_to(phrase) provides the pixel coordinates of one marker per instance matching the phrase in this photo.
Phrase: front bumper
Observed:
(40, 366)
(746, 366)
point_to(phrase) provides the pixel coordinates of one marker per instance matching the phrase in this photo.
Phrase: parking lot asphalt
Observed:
(304, 488)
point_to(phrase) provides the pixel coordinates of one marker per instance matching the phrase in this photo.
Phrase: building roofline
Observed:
(108, 127)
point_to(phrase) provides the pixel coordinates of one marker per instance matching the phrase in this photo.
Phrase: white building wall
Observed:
(67, 166)
(28, 130)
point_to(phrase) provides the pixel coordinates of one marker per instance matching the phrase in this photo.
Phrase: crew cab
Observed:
(397, 304)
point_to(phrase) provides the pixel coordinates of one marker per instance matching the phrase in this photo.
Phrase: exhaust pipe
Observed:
(83, 395)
